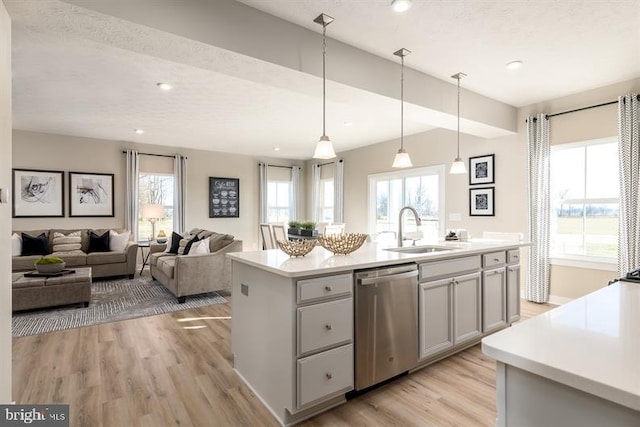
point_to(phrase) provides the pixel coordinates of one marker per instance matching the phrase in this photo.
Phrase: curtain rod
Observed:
(279, 166)
(328, 163)
(152, 154)
(604, 104)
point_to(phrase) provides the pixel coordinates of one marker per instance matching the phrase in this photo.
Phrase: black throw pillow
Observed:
(175, 243)
(34, 245)
(98, 243)
(187, 248)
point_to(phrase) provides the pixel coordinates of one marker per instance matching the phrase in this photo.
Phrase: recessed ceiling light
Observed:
(400, 5)
(276, 148)
(347, 124)
(138, 131)
(514, 65)
(164, 86)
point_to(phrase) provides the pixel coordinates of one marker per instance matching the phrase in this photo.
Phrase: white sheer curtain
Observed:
(629, 157)
(315, 190)
(537, 283)
(294, 198)
(338, 192)
(132, 169)
(179, 193)
(264, 183)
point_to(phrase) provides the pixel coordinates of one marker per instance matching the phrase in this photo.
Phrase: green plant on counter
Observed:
(308, 225)
(294, 224)
(49, 260)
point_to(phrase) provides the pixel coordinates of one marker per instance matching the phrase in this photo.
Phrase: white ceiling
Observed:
(78, 72)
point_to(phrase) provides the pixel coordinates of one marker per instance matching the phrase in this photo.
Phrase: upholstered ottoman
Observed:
(39, 292)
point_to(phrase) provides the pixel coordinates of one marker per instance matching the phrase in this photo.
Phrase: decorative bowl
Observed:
(50, 268)
(342, 244)
(297, 247)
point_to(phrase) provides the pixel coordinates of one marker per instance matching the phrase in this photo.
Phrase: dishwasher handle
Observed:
(373, 280)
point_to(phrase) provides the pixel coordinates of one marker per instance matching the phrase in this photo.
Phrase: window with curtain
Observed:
(325, 200)
(155, 189)
(421, 188)
(278, 200)
(585, 199)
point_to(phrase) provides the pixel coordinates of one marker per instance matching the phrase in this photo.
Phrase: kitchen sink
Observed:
(419, 249)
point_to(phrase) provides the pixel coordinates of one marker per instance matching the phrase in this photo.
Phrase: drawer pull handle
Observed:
(328, 326)
(328, 288)
(496, 260)
(329, 376)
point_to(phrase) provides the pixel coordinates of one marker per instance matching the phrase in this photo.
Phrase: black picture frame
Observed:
(482, 169)
(224, 197)
(91, 194)
(37, 193)
(482, 201)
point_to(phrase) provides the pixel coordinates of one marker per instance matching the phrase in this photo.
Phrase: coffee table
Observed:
(39, 292)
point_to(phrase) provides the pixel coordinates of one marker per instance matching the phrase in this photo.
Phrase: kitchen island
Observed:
(576, 365)
(292, 325)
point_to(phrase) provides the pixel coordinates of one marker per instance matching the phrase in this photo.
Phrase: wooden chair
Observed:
(267, 236)
(279, 233)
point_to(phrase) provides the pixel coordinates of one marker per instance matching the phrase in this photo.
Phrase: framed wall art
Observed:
(91, 194)
(481, 169)
(481, 201)
(224, 197)
(38, 193)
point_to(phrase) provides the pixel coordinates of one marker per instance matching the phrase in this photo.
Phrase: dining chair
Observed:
(333, 229)
(267, 236)
(279, 233)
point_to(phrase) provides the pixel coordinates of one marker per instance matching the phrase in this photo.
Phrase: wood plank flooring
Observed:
(153, 371)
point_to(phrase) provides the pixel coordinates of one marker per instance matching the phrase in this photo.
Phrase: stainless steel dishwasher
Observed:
(386, 323)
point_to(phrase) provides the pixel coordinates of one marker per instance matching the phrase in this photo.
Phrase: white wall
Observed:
(67, 153)
(5, 208)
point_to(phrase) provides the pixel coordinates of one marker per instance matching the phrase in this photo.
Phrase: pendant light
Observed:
(324, 147)
(400, 5)
(402, 159)
(458, 167)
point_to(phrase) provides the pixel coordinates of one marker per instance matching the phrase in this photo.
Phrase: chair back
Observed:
(279, 233)
(267, 236)
(333, 229)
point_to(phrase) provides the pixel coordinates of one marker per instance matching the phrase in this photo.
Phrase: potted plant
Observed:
(308, 228)
(294, 228)
(49, 264)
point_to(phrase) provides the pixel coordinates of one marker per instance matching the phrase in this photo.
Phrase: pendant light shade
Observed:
(402, 159)
(400, 5)
(458, 167)
(324, 147)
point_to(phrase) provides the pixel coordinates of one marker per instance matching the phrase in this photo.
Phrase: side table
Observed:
(145, 244)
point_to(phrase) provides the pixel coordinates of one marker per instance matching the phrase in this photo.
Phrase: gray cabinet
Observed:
(494, 300)
(449, 313)
(513, 293)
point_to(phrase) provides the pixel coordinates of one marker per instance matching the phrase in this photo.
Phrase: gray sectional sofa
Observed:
(103, 264)
(191, 274)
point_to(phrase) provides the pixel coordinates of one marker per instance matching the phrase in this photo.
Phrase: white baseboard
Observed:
(557, 300)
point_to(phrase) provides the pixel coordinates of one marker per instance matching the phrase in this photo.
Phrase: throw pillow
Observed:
(70, 242)
(34, 245)
(185, 244)
(200, 247)
(118, 242)
(172, 248)
(98, 243)
(16, 245)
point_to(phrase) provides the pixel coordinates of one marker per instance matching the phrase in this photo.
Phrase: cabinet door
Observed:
(466, 308)
(435, 317)
(513, 293)
(494, 301)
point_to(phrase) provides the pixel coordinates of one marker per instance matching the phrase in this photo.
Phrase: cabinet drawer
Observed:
(325, 375)
(493, 259)
(325, 325)
(324, 287)
(450, 267)
(513, 256)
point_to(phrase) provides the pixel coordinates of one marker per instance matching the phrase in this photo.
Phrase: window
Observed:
(155, 189)
(585, 197)
(325, 202)
(279, 198)
(421, 188)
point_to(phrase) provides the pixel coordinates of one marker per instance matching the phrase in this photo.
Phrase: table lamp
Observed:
(162, 237)
(152, 213)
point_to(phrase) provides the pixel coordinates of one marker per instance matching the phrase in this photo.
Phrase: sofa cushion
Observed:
(22, 263)
(153, 258)
(118, 241)
(185, 244)
(37, 245)
(167, 265)
(98, 243)
(200, 247)
(16, 244)
(218, 241)
(75, 258)
(66, 242)
(174, 245)
(96, 258)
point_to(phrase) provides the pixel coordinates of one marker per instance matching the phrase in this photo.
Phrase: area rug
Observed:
(111, 300)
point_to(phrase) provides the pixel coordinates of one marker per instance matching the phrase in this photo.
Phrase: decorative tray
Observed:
(35, 273)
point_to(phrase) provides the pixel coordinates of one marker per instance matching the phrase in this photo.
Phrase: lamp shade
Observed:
(457, 167)
(152, 211)
(402, 160)
(324, 149)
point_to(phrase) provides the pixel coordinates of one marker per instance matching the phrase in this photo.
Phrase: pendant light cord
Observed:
(324, 81)
(402, 103)
(459, 77)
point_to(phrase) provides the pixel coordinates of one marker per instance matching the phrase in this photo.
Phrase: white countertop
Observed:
(319, 260)
(591, 344)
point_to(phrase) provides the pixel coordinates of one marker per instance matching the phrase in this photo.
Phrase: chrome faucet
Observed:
(415, 214)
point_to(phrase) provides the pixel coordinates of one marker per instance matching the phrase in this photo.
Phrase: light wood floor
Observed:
(154, 372)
